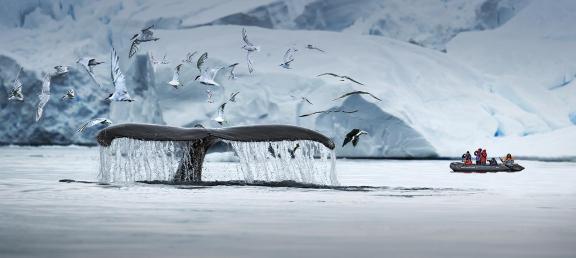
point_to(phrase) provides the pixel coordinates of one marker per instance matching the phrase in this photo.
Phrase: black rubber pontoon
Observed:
(460, 167)
(201, 139)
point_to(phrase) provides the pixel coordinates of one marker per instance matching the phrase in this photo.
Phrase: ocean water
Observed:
(408, 209)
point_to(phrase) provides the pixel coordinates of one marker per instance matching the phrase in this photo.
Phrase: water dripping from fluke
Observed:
(267, 153)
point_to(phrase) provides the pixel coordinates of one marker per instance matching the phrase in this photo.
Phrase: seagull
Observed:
(353, 136)
(88, 63)
(145, 36)
(61, 69)
(43, 97)
(220, 118)
(293, 150)
(342, 77)
(288, 58)
(231, 67)
(357, 92)
(175, 82)
(16, 92)
(156, 61)
(303, 99)
(189, 56)
(118, 80)
(329, 111)
(70, 94)
(93, 122)
(207, 75)
(309, 46)
(249, 47)
(233, 96)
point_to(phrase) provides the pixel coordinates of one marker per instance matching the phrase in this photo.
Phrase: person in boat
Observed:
(478, 154)
(483, 157)
(467, 158)
(493, 162)
(508, 160)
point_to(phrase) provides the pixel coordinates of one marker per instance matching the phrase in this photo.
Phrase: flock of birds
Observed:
(206, 76)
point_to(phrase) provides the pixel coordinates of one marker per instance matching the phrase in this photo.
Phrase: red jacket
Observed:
(484, 156)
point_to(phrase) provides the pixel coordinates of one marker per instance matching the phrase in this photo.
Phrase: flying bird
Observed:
(293, 150)
(157, 61)
(231, 67)
(303, 99)
(175, 82)
(250, 48)
(145, 36)
(330, 111)
(288, 58)
(357, 92)
(207, 75)
(118, 80)
(60, 69)
(70, 94)
(220, 118)
(16, 92)
(233, 96)
(93, 122)
(189, 57)
(43, 97)
(353, 136)
(88, 63)
(342, 77)
(310, 46)
(209, 95)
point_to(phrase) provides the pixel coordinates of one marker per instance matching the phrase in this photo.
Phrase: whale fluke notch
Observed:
(198, 140)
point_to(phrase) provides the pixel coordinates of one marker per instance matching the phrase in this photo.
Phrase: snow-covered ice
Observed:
(416, 209)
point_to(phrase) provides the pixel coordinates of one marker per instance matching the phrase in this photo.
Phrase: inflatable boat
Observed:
(460, 167)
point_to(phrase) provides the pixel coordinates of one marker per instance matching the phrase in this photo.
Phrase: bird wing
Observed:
(213, 72)
(289, 55)
(17, 85)
(176, 75)
(350, 79)
(190, 55)
(357, 92)
(46, 84)
(84, 62)
(147, 33)
(133, 48)
(221, 110)
(331, 74)
(233, 96)
(118, 79)
(349, 136)
(245, 37)
(250, 64)
(43, 97)
(90, 123)
(313, 113)
(201, 60)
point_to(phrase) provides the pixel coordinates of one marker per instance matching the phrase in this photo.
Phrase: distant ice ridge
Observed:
(128, 160)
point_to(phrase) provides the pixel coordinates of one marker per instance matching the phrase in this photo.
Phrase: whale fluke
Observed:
(196, 141)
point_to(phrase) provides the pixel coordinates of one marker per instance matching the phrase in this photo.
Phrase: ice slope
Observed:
(532, 59)
(426, 23)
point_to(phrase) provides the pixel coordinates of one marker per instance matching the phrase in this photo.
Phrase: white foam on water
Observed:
(128, 160)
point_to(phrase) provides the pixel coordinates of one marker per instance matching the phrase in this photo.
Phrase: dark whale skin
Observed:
(253, 133)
